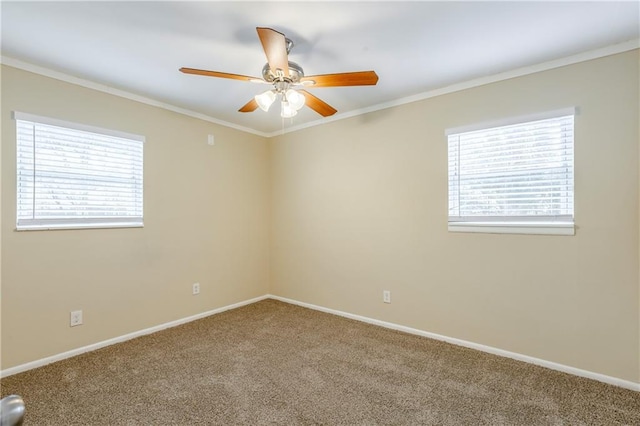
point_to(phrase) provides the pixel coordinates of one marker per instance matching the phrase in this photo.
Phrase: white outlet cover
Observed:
(76, 318)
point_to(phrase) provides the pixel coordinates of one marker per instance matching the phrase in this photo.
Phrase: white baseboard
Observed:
(48, 360)
(495, 351)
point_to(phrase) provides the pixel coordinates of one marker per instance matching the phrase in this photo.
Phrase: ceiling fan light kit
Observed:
(265, 99)
(295, 99)
(291, 100)
(285, 76)
(287, 110)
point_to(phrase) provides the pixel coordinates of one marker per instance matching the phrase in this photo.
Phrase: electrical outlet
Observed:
(76, 318)
(196, 288)
(386, 296)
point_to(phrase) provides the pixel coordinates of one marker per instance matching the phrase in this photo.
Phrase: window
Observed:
(515, 177)
(74, 176)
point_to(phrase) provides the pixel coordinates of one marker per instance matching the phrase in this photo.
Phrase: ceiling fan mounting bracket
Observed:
(289, 44)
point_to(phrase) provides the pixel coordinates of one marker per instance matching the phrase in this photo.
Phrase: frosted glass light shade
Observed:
(265, 99)
(287, 111)
(295, 98)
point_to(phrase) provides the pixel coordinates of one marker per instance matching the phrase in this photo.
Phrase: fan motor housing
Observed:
(295, 73)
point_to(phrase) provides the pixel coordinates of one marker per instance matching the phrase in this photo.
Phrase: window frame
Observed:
(560, 225)
(76, 223)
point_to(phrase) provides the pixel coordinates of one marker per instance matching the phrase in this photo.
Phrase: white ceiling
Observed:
(414, 47)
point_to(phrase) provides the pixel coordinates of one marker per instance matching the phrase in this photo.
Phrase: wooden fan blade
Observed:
(275, 47)
(359, 78)
(250, 106)
(219, 74)
(318, 105)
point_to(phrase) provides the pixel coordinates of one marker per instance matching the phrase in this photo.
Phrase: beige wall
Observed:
(206, 220)
(360, 205)
(334, 214)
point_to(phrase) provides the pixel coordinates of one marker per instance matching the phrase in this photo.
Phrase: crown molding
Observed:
(519, 72)
(47, 72)
(481, 81)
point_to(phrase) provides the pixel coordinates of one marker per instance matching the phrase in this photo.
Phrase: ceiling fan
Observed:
(287, 77)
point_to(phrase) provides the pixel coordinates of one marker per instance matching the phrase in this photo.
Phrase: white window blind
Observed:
(516, 177)
(73, 176)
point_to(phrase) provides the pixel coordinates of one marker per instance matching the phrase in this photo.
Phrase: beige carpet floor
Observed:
(272, 363)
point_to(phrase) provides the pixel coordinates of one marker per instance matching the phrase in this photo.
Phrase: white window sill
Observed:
(50, 227)
(513, 228)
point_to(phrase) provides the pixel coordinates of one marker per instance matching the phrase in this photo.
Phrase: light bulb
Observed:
(265, 99)
(295, 98)
(287, 111)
